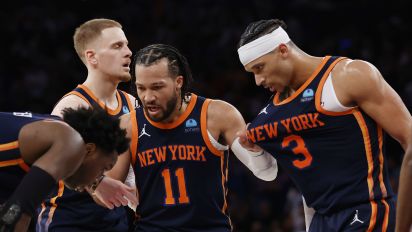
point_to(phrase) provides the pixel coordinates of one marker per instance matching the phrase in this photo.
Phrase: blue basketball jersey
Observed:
(181, 178)
(335, 159)
(69, 210)
(12, 166)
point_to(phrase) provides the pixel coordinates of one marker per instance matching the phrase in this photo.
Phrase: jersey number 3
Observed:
(180, 175)
(300, 149)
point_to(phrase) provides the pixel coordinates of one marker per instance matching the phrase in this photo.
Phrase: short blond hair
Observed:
(89, 31)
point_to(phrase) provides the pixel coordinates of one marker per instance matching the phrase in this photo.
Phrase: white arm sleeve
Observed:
(309, 212)
(262, 164)
(131, 182)
(130, 179)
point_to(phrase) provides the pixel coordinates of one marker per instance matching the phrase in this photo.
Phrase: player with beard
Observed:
(179, 148)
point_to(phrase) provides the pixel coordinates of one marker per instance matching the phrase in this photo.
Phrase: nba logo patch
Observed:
(23, 114)
(191, 126)
(125, 110)
(191, 123)
(307, 95)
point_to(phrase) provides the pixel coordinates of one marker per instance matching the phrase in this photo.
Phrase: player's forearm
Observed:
(404, 205)
(262, 164)
(122, 168)
(22, 204)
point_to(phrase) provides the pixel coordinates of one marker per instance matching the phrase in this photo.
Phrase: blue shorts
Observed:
(82, 218)
(373, 216)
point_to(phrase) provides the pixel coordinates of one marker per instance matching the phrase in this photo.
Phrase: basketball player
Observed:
(38, 150)
(404, 204)
(103, 47)
(180, 148)
(325, 126)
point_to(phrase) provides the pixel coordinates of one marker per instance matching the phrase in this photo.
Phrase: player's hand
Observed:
(113, 193)
(246, 143)
(136, 193)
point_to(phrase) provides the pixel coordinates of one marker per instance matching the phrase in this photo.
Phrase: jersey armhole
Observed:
(203, 128)
(135, 139)
(319, 92)
(216, 144)
(77, 94)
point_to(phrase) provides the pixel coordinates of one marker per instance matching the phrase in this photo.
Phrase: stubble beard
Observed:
(170, 107)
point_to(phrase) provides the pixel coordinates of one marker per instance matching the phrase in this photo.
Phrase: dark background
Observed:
(38, 64)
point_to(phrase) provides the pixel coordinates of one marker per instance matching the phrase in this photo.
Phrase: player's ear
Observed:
(90, 56)
(90, 149)
(283, 49)
(179, 81)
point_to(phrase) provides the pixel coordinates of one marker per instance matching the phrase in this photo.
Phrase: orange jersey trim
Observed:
(386, 217)
(77, 94)
(368, 149)
(101, 104)
(203, 123)
(135, 138)
(381, 160)
(276, 100)
(179, 120)
(11, 162)
(381, 182)
(20, 162)
(24, 166)
(53, 203)
(318, 94)
(9, 146)
(129, 103)
(374, 213)
(222, 161)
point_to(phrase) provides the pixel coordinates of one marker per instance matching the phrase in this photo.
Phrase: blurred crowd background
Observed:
(38, 65)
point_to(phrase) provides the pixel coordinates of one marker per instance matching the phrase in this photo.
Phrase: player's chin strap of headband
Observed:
(262, 45)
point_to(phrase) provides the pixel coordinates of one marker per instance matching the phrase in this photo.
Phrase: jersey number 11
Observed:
(180, 175)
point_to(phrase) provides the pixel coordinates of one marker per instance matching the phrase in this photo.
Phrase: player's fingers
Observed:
(119, 200)
(107, 204)
(131, 196)
(131, 204)
(128, 188)
(123, 200)
(242, 137)
(240, 134)
(117, 203)
(244, 142)
(99, 198)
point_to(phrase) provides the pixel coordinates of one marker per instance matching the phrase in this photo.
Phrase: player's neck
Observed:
(103, 89)
(305, 66)
(179, 110)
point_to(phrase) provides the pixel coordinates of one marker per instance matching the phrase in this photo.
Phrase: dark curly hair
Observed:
(98, 127)
(260, 28)
(177, 63)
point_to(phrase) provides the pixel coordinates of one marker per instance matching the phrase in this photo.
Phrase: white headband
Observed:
(261, 46)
